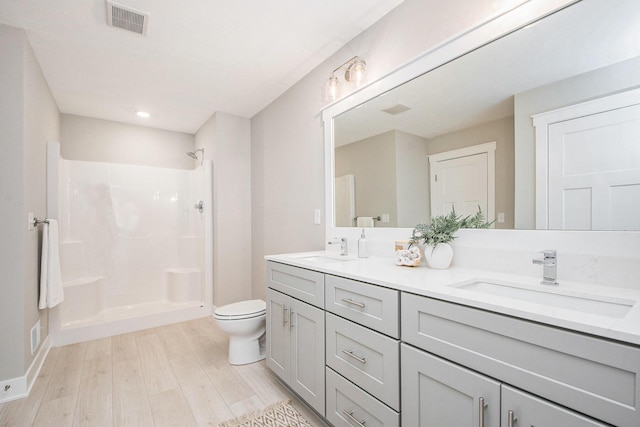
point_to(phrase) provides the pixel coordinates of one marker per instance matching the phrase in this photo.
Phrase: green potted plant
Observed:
(437, 235)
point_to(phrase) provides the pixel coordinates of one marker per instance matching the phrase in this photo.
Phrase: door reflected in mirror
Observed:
(586, 52)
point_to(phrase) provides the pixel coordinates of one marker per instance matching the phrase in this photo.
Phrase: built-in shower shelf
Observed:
(82, 281)
(83, 299)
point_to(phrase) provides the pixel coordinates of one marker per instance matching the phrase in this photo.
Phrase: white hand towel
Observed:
(51, 292)
(364, 221)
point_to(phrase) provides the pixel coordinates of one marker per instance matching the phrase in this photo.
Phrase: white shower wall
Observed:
(129, 224)
(132, 244)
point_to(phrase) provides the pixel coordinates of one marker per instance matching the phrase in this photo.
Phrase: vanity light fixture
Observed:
(355, 70)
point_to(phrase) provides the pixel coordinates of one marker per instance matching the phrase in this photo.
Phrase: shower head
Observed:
(194, 154)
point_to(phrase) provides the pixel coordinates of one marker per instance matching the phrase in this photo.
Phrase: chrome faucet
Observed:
(344, 246)
(550, 267)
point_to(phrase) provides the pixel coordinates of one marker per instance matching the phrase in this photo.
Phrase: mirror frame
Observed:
(491, 29)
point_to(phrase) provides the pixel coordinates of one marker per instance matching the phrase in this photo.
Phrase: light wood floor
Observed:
(174, 375)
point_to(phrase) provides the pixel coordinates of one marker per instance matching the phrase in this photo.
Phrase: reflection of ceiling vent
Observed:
(127, 18)
(396, 109)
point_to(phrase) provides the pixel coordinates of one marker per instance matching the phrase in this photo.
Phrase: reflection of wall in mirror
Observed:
(392, 171)
(595, 84)
(375, 182)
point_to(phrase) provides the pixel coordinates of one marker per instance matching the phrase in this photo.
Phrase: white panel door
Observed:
(461, 184)
(594, 171)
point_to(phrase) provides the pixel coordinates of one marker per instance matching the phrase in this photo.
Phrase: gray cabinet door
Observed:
(278, 335)
(526, 410)
(439, 393)
(307, 353)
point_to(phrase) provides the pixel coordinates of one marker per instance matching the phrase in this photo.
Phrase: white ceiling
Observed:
(199, 56)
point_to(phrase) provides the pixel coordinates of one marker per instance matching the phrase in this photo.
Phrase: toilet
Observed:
(244, 322)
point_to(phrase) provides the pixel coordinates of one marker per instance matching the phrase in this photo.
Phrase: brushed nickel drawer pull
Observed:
(356, 303)
(352, 418)
(482, 406)
(511, 419)
(284, 315)
(359, 359)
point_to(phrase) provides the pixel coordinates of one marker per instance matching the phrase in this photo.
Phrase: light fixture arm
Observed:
(349, 62)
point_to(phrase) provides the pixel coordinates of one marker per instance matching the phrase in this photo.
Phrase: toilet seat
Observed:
(241, 310)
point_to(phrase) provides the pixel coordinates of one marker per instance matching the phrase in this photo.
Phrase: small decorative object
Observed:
(402, 244)
(440, 232)
(440, 256)
(410, 257)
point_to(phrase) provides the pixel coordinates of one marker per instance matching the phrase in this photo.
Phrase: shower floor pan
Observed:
(121, 320)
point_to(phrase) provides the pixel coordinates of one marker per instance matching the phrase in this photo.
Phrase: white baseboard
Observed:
(19, 387)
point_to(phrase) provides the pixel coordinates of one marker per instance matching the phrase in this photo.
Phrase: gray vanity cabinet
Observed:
(295, 338)
(589, 375)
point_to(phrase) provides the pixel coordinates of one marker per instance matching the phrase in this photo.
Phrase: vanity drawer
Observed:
(305, 285)
(372, 306)
(594, 376)
(367, 358)
(345, 400)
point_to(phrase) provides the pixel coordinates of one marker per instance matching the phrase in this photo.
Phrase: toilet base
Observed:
(243, 351)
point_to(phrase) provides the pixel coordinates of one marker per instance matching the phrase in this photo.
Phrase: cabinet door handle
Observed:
(511, 419)
(291, 318)
(350, 354)
(352, 302)
(284, 315)
(481, 406)
(349, 414)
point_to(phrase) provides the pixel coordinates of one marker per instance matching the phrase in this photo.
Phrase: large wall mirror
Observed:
(462, 135)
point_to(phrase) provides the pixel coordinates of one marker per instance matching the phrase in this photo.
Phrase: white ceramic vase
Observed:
(440, 257)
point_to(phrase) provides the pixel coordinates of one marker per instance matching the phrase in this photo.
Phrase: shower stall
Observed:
(135, 246)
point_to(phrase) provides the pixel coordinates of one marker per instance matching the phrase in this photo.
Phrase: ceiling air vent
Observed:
(127, 18)
(396, 109)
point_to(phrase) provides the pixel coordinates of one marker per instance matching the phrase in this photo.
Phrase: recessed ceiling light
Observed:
(143, 114)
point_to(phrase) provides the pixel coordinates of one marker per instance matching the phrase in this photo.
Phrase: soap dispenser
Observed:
(362, 246)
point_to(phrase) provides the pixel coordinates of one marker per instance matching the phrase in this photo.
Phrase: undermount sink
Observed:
(585, 303)
(324, 259)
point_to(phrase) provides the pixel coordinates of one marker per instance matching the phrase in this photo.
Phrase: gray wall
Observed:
(391, 177)
(29, 118)
(412, 179)
(287, 157)
(86, 138)
(226, 140)
(606, 81)
(372, 161)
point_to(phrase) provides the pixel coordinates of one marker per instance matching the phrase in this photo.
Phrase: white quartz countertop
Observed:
(445, 285)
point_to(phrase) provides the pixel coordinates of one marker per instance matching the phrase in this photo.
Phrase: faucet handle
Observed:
(549, 253)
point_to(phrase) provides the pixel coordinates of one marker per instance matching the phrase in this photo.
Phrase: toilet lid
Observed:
(242, 308)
